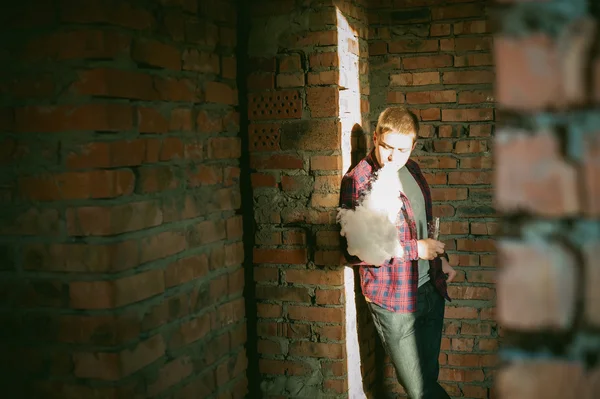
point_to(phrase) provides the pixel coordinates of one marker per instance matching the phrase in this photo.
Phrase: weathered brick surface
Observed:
(545, 185)
(121, 244)
(436, 59)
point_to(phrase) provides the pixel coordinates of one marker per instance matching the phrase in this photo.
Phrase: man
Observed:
(405, 295)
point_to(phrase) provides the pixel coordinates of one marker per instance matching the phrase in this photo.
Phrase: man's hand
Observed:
(449, 270)
(428, 249)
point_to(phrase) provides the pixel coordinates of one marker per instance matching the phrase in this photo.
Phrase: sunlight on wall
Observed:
(350, 114)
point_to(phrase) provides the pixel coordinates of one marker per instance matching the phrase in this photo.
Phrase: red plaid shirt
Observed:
(394, 284)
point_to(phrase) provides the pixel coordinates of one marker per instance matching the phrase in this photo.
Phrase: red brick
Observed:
(171, 89)
(470, 77)
(525, 82)
(415, 79)
(207, 232)
(170, 374)
(227, 37)
(473, 44)
(263, 64)
(29, 87)
(378, 48)
(474, 97)
(476, 293)
(32, 221)
(327, 183)
(186, 269)
(323, 78)
(261, 81)
(181, 120)
(447, 45)
(203, 62)
(319, 200)
(313, 277)
(290, 63)
(472, 27)
(449, 194)
(457, 11)
(162, 245)
(115, 83)
(323, 38)
(322, 101)
(592, 276)
(111, 12)
(522, 184)
(107, 154)
(224, 148)
(461, 375)
(115, 293)
(427, 97)
(151, 120)
(263, 180)
(488, 345)
(283, 256)
(278, 293)
(317, 314)
(325, 162)
(591, 175)
(467, 60)
(156, 54)
(283, 367)
(480, 130)
(541, 379)
(395, 97)
(98, 329)
(220, 93)
(468, 115)
(317, 349)
(470, 147)
(229, 67)
(544, 277)
(205, 175)
(63, 118)
(73, 257)
(427, 62)
(324, 60)
(413, 46)
(78, 185)
(453, 312)
(209, 123)
(265, 310)
(440, 29)
(288, 80)
(329, 297)
(115, 219)
(277, 161)
(77, 44)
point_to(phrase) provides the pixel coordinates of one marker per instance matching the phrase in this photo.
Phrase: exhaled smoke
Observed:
(370, 228)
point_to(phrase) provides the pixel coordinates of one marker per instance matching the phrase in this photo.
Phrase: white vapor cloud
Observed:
(370, 228)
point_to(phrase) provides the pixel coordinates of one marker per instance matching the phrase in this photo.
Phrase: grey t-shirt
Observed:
(417, 202)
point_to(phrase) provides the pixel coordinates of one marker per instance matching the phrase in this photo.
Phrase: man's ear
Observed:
(414, 145)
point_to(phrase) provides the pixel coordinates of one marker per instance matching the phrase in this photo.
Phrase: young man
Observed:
(405, 295)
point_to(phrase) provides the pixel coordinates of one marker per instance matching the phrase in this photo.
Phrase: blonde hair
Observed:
(398, 119)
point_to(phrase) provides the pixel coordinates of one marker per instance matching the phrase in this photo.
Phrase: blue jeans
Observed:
(413, 340)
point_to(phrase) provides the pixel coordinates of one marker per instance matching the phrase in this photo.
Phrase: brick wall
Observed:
(120, 240)
(296, 141)
(435, 58)
(547, 174)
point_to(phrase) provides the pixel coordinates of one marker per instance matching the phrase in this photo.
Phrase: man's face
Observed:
(393, 148)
